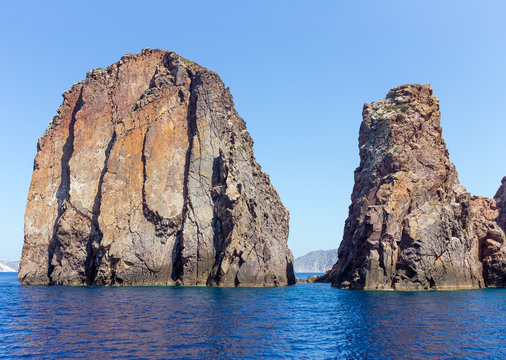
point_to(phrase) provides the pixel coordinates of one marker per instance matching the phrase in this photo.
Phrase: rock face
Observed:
(146, 176)
(316, 261)
(411, 225)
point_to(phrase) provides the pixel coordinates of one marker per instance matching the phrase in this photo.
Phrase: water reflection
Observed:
(303, 321)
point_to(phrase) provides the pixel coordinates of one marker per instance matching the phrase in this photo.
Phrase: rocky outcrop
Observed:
(485, 217)
(146, 176)
(310, 279)
(317, 261)
(411, 225)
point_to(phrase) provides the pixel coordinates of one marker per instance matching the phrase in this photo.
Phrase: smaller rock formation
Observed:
(411, 225)
(310, 279)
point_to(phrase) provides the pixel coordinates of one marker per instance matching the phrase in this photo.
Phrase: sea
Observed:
(302, 321)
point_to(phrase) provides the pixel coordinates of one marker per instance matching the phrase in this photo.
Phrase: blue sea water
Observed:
(304, 321)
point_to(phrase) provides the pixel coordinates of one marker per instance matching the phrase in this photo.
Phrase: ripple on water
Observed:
(312, 321)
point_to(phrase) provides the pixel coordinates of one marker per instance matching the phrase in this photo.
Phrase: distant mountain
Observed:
(9, 266)
(316, 261)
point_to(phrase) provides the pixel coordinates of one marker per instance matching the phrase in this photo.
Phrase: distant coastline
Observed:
(9, 266)
(318, 261)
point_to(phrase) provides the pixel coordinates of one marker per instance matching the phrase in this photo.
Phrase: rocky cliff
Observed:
(411, 225)
(146, 176)
(317, 261)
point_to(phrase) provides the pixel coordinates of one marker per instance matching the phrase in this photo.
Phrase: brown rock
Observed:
(411, 225)
(146, 176)
(500, 199)
(491, 240)
(309, 279)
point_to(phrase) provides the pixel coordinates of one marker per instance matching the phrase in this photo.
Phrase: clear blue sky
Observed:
(299, 71)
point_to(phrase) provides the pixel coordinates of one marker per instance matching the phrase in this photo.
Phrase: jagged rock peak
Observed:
(500, 198)
(146, 176)
(411, 225)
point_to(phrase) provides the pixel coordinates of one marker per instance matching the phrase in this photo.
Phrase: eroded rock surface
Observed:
(411, 225)
(146, 176)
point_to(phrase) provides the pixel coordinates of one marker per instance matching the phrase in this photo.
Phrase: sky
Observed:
(299, 72)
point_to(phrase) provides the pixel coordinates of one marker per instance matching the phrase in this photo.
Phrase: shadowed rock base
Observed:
(146, 176)
(411, 225)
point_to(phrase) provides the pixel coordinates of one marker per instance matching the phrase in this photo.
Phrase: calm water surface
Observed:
(305, 321)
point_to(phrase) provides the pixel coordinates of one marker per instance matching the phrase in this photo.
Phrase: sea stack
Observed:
(411, 225)
(146, 176)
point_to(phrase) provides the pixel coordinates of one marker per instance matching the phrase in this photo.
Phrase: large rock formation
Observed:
(146, 176)
(411, 225)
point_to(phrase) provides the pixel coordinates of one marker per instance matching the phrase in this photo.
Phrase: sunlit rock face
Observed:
(411, 225)
(146, 176)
